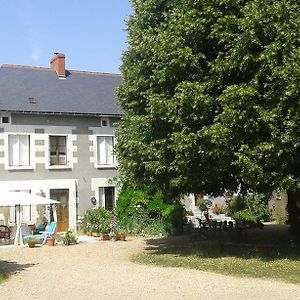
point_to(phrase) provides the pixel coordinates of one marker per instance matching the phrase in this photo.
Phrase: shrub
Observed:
(250, 204)
(69, 238)
(280, 215)
(246, 217)
(139, 211)
(97, 220)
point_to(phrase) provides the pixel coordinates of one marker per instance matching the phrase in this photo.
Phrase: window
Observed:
(105, 154)
(104, 122)
(19, 150)
(107, 197)
(58, 150)
(5, 120)
(25, 211)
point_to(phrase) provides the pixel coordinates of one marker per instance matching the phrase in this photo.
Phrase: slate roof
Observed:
(39, 90)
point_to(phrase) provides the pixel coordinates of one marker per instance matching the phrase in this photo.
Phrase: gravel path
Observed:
(102, 270)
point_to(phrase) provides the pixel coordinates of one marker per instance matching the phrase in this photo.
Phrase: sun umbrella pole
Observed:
(18, 237)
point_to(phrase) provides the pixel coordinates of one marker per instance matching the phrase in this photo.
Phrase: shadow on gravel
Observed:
(11, 267)
(271, 243)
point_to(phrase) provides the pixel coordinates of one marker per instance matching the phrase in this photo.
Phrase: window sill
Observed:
(59, 167)
(106, 166)
(17, 168)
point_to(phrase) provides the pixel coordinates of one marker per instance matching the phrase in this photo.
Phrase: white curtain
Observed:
(101, 197)
(19, 150)
(24, 150)
(13, 141)
(109, 150)
(26, 213)
(25, 210)
(105, 150)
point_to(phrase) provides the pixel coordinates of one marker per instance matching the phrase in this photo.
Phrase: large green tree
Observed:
(210, 96)
(261, 102)
(169, 96)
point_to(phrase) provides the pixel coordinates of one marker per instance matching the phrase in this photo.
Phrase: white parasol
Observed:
(21, 198)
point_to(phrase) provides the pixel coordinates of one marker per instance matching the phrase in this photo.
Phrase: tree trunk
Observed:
(293, 208)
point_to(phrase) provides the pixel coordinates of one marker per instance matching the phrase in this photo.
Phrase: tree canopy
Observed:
(210, 96)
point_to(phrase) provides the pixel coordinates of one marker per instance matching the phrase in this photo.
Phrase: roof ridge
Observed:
(96, 73)
(50, 69)
(25, 67)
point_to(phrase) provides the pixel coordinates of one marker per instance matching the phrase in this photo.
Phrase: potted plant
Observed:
(121, 236)
(51, 241)
(32, 242)
(69, 238)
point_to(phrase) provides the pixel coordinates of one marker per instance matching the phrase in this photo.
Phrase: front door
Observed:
(62, 209)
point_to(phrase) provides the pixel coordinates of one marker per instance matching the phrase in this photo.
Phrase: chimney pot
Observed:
(58, 64)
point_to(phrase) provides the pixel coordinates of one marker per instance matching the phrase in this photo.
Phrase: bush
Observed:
(140, 212)
(254, 205)
(97, 220)
(246, 217)
(69, 238)
(280, 215)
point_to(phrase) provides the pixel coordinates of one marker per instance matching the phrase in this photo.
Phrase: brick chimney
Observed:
(58, 64)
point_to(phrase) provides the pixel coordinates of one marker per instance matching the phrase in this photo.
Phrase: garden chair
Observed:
(40, 228)
(5, 233)
(44, 235)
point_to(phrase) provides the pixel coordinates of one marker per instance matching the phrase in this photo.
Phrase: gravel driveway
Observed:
(102, 270)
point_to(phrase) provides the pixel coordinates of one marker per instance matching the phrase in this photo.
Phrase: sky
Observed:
(91, 33)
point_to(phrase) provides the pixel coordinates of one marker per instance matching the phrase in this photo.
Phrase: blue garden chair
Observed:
(44, 235)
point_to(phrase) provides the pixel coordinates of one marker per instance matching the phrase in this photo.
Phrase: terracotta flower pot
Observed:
(121, 237)
(51, 241)
(105, 237)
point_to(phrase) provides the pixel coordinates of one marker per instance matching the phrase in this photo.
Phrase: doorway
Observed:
(107, 196)
(62, 209)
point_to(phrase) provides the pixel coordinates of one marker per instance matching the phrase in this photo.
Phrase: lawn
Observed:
(280, 260)
(3, 275)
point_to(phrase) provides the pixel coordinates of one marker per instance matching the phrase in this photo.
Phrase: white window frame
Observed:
(97, 152)
(5, 115)
(101, 198)
(18, 166)
(68, 152)
(105, 120)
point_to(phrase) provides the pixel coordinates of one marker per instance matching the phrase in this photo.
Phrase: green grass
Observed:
(3, 275)
(281, 262)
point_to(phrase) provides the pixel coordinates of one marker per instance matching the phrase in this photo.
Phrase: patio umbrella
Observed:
(21, 198)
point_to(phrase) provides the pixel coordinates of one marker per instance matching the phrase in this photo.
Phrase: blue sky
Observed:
(91, 33)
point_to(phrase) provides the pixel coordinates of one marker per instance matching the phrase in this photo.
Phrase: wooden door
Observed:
(62, 209)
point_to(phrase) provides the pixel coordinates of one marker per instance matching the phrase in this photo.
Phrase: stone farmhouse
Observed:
(57, 133)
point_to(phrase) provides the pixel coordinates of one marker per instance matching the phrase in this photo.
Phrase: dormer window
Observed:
(5, 120)
(104, 122)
